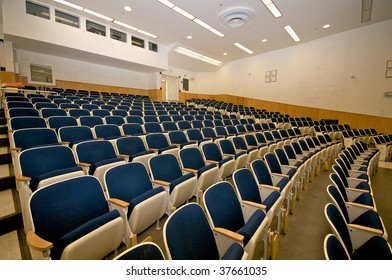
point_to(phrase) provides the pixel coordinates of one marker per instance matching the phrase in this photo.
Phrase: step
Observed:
(7, 183)
(11, 222)
(3, 120)
(4, 142)
(5, 159)
(3, 130)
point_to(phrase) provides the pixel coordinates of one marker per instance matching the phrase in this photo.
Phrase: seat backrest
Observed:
(184, 125)
(246, 185)
(240, 143)
(26, 122)
(133, 129)
(94, 151)
(338, 170)
(37, 161)
(177, 137)
(142, 252)
(188, 236)
(223, 207)
(82, 200)
(78, 112)
(260, 170)
(227, 147)
(334, 248)
(289, 151)
(211, 152)
(282, 157)
(107, 131)
(152, 127)
(339, 184)
(165, 167)
(157, 140)
(57, 122)
(169, 126)
(33, 137)
(272, 163)
(130, 145)
(75, 134)
(191, 158)
(90, 121)
(100, 112)
(338, 225)
(127, 181)
(18, 112)
(194, 134)
(338, 200)
(117, 120)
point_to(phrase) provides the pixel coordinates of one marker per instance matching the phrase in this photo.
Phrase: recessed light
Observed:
(292, 33)
(189, 37)
(264, 41)
(127, 8)
(225, 53)
(238, 45)
(326, 26)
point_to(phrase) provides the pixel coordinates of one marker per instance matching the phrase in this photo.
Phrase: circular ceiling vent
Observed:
(236, 17)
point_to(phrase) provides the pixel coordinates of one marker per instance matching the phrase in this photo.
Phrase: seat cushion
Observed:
(141, 154)
(68, 238)
(34, 182)
(376, 248)
(369, 219)
(205, 168)
(144, 196)
(251, 225)
(102, 163)
(271, 199)
(223, 161)
(235, 252)
(180, 180)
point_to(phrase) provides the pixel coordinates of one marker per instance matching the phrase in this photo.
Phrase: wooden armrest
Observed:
(153, 149)
(65, 143)
(119, 202)
(359, 205)
(290, 166)
(123, 156)
(369, 229)
(228, 155)
(280, 175)
(212, 161)
(356, 179)
(236, 236)
(254, 204)
(99, 138)
(269, 187)
(160, 182)
(10, 130)
(15, 149)
(22, 178)
(190, 170)
(84, 164)
(357, 190)
(37, 243)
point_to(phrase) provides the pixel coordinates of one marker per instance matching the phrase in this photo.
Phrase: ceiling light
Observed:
(225, 53)
(147, 34)
(167, 3)
(202, 23)
(292, 33)
(97, 14)
(198, 56)
(272, 8)
(238, 45)
(127, 8)
(69, 4)
(183, 13)
(189, 37)
(125, 25)
(326, 26)
(264, 41)
(216, 32)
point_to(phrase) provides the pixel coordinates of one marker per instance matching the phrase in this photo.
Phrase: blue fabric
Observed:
(180, 180)
(369, 219)
(211, 152)
(205, 168)
(247, 185)
(235, 252)
(271, 199)
(34, 137)
(97, 164)
(225, 160)
(335, 249)
(132, 146)
(81, 231)
(76, 134)
(142, 197)
(132, 157)
(249, 229)
(34, 182)
(82, 200)
(339, 223)
(376, 248)
(189, 236)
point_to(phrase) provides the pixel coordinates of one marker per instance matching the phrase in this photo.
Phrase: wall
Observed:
(342, 72)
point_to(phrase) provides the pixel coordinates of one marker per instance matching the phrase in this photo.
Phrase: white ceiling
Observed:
(307, 17)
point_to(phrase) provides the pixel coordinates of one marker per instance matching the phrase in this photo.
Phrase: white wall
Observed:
(80, 71)
(343, 72)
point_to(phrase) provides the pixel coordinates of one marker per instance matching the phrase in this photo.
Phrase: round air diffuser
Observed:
(236, 17)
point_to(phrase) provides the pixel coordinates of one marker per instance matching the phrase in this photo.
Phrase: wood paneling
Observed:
(381, 124)
(8, 77)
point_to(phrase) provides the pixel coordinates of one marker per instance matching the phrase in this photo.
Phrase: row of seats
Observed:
(358, 232)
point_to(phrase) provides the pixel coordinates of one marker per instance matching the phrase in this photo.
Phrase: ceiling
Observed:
(307, 17)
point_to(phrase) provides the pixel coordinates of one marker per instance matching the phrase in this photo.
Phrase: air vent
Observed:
(236, 17)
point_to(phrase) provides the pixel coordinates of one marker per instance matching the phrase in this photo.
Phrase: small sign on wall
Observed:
(271, 76)
(388, 70)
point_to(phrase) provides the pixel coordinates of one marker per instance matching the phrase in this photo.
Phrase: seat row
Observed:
(358, 232)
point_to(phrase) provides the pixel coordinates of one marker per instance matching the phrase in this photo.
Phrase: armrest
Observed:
(37, 243)
(22, 178)
(356, 179)
(254, 204)
(160, 182)
(212, 161)
(65, 143)
(15, 149)
(367, 207)
(269, 187)
(366, 229)
(84, 164)
(280, 175)
(126, 157)
(236, 236)
(118, 202)
(190, 170)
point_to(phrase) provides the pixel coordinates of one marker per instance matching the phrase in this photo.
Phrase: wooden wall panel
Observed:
(381, 124)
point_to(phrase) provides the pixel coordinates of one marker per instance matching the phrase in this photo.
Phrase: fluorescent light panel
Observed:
(97, 14)
(238, 45)
(191, 17)
(69, 4)
(272, 8)
(124, 25)
(292, 33)
(198, 56)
